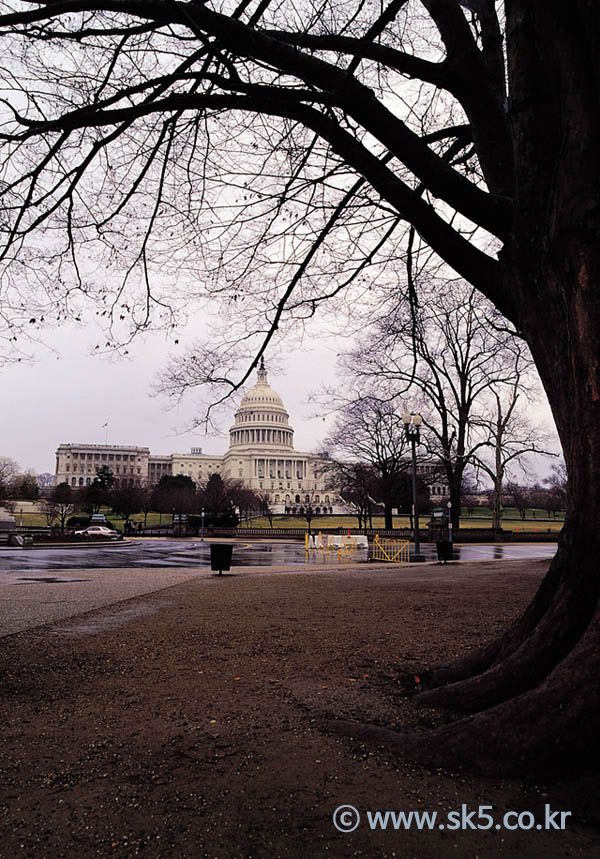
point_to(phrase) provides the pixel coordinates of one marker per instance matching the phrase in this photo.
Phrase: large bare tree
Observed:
(370, 432)
(293, 141)
(510, 438)
(446, 354)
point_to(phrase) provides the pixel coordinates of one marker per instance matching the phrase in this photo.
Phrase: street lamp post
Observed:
(412, 424)
(202, 525)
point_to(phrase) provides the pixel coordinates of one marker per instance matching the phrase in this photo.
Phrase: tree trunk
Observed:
(455, 498)
(497, 502)
(534, 691)
(388, 518)
(543, 671)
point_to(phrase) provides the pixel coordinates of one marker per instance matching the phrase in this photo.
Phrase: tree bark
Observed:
(388, 518)
(534, 692)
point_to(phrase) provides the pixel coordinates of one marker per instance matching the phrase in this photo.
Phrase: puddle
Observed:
(48, 580)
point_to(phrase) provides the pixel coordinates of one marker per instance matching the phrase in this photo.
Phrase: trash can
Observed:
(444, 550)
(220, 556)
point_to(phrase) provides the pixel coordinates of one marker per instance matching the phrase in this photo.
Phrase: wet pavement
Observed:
(154, 554)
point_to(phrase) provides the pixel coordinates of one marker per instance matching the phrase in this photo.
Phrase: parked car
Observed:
(97, 531)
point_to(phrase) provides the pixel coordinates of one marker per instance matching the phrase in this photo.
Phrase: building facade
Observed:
(77, 464)
(261, 455)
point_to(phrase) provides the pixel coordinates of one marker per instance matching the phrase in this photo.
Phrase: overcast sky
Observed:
(68, 396)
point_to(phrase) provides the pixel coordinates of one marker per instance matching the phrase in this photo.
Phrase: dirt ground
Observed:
(188, 722)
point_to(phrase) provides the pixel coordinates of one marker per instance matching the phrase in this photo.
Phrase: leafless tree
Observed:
(443, 357)
(9, 469)
(369, 431)
(510, 436)
(62, 501)
(265, 506)
(51, 512)
(45, 481)
(356, 484)
(285, 146)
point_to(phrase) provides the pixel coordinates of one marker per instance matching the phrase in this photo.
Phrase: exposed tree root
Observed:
(536, 705)
(551, 730)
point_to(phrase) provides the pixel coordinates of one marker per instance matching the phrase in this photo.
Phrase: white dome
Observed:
(262, 394)
(261, 418)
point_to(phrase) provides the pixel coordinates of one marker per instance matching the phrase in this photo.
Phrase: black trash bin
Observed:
(220, 556)
(444, 550)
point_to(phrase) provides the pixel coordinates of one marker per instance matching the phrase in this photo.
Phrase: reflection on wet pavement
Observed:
(182, 553)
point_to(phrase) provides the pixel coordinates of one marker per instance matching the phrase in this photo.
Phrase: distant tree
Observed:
(8, 471)
(536, 495)
(174, 494)
(244, 498)
(45, 481)
(105, 477)
(509, 436)
(98, 493)
(557, 486)
(356, 485)
(219, 499)
(127, 500)
(51, 512)
(214, 496)
(264, 500)
(369, 431)
(469, 492)
(519, 496)
(24, 486)
(444, 356)
(146, 498)
(62, 500)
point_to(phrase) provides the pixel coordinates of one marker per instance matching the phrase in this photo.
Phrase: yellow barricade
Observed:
(390, 550)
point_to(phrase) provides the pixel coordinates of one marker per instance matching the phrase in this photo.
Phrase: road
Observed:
(154, 554)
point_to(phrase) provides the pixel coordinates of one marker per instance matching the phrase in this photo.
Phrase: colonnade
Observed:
(273, 468)
(267, 436)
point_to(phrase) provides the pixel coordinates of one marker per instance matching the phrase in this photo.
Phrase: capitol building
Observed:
(261, 454)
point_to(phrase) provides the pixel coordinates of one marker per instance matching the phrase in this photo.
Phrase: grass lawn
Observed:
(536, 519)
(510, 524)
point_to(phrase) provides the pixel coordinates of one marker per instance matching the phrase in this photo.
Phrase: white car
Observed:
(97, 531)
